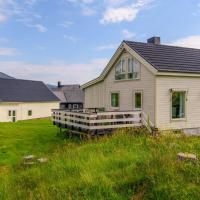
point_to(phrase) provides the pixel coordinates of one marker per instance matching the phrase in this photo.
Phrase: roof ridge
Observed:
(166, 45)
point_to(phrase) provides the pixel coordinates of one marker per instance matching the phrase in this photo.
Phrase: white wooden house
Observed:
(161, 81)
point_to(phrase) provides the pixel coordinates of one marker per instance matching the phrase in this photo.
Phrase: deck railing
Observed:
(96, 121)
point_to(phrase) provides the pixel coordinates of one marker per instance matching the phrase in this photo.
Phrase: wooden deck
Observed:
(96, 121)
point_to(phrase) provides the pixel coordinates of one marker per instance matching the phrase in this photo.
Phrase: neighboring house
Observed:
(71, 96)
(160, 80)
(24, 99)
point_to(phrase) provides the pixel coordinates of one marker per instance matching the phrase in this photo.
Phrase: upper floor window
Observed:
(120, 71)
(133, 68)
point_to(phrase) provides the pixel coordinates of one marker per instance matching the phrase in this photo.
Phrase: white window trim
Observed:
(186, 99)
(114, 108)
(134, 92)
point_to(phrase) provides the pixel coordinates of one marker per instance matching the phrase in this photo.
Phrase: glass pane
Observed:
(138, 100)
(13, 112)
(120, 70)
(9, 113)
(115, 100)
(178, 105)
(30, 113)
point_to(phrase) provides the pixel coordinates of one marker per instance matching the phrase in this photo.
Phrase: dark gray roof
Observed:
(16, 90)
(69, 93)
(168, 58)
(2, 75)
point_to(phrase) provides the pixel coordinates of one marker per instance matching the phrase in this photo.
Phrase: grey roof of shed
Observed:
(167, 58)
(17, 90)
(69, 93)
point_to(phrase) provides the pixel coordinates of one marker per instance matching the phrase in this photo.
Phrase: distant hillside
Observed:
(2, 75)
(51, 86)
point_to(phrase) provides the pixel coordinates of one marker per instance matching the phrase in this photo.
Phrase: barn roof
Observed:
(17, 90)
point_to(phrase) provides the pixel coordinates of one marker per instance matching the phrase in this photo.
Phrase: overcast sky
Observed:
(72, 40)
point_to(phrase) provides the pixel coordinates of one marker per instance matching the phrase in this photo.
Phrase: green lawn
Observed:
(128, 165)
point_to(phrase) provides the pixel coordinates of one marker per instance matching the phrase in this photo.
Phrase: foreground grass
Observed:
(128, 165)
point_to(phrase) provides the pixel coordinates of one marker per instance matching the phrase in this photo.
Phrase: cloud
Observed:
(31, 2)
(80, 1)
(3, 40)
(86, 6)
(66, 24)
(126, 34)
(115, 2)
(192, 41)
(9, 52)
(71, 38)
(39, 27)
(87, 11)
(3, 17)
(107, 47)
(124, 13)
(21, 11)
(55, 71)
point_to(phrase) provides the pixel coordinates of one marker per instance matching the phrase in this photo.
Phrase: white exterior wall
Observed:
(95, 96)
(163, 102)
(39, 110)
(98, 95)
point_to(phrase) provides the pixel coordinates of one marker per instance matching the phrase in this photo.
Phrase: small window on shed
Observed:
(30, 113)
(9, 113)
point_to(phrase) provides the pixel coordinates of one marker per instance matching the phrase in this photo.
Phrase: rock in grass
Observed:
(42, 160)
(187, 156)
(29, 157)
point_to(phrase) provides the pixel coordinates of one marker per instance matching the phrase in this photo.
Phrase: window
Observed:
(115, 100)
(29, 112)
(178, 104)
(137, 100)
(133, 69)
(75, 106)
(120, 72)
(69, 106)
(9, 113)
(13, 113)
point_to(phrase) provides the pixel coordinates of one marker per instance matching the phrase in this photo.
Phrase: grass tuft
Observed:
(130, 164)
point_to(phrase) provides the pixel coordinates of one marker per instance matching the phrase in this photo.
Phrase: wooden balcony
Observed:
(95, 121)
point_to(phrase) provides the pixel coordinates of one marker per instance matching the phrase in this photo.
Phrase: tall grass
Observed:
(128, 165)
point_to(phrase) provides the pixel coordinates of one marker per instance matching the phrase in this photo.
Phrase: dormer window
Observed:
(120, 71)
(133, 69)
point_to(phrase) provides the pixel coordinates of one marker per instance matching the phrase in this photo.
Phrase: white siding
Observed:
(99, 94)
(163, 102)
(94, 96)
(39, 110)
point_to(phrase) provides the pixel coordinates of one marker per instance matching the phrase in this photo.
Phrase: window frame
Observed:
(134, 101)
(123, 69)
(114, 92)
(185, 103)
(132, 59)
